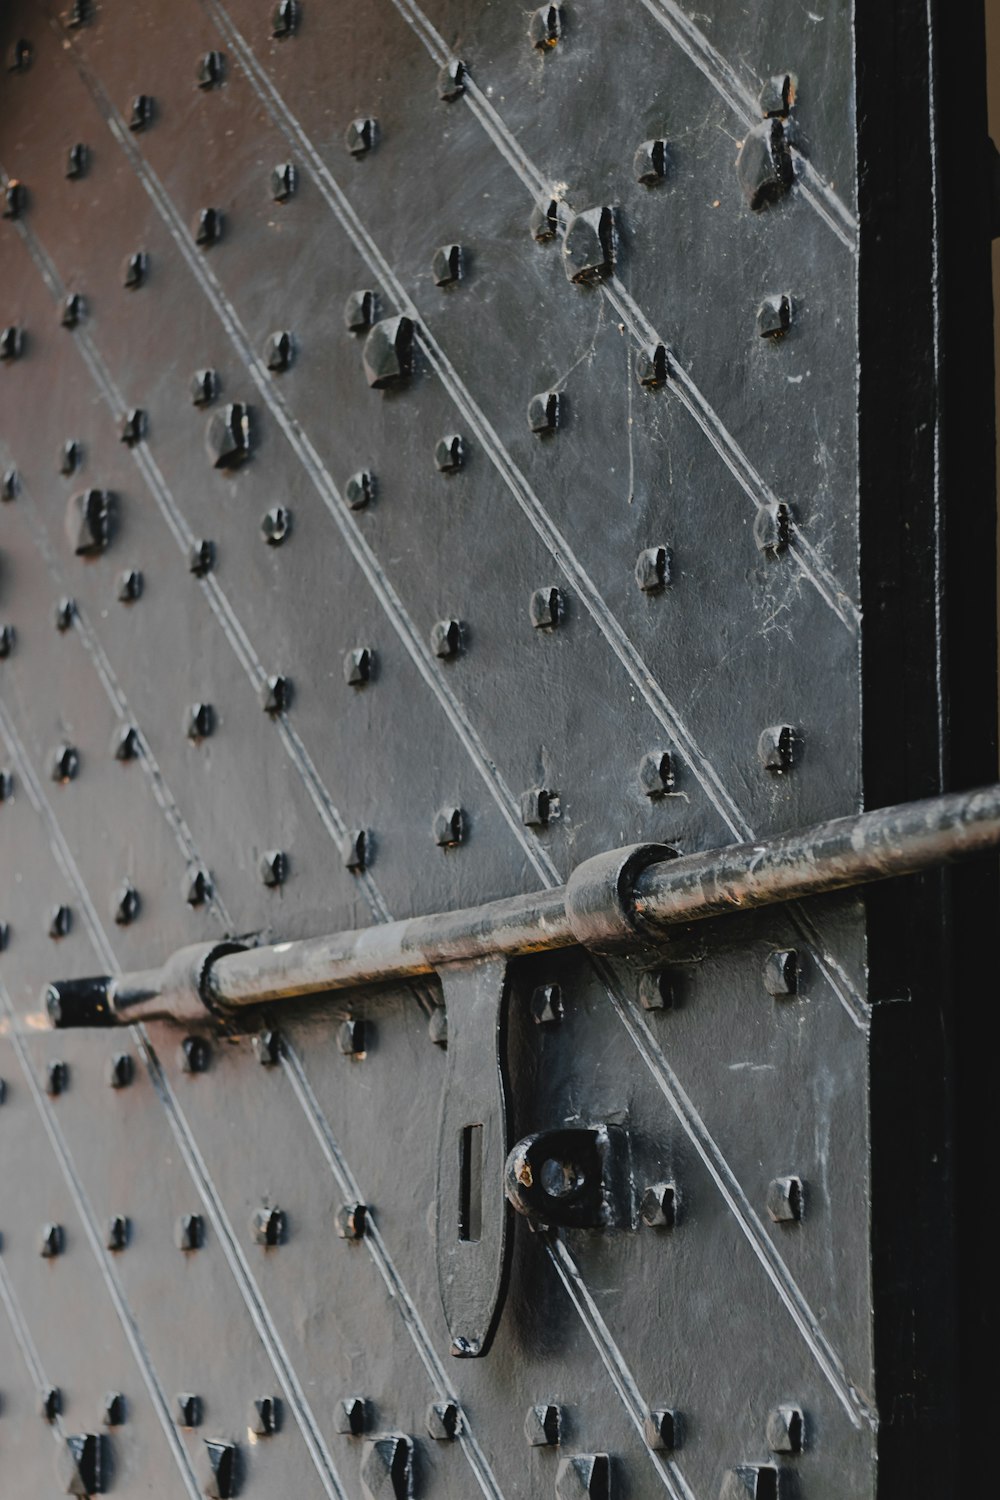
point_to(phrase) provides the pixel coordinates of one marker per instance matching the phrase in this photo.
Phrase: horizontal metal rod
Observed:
(611, 902)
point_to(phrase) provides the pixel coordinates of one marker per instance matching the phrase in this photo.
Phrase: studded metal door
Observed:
(441, 442)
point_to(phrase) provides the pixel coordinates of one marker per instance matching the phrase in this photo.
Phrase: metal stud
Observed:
(351, 1037)
(543, 1425)
(265, 1415)
(544, 221)
(656, 773)
(777, 748)
(60, 921)
(11, 342)
(273, 867)
(359, 664)
(275, 694)
(207, 227)
(774, 316)
(194, 1055)
(10, 483)
(113, 1409)
(279, 350)
(359, 490)
(56, 1078)
(784, 1200)
(276, 525)
(446, 638)
(196, 887)
(351, 1221)
(777, 96)
(188, 1232)
(211, 69)
(355, 849)
(50, 1402)
(73, 309)
(547, 1008)
(129, 585)
(229, 436)
(88, 522)
(267, 1227)
(51, 1241)
(652, 569)
(18, 56)
(546, 608)
(437, 1026)
(449, 827)
(219, 1469)
(545, 412)
(284, 181)
(80, 1465)
(119, 1070)
(546, 27)
(584, 1476)
(125, 904)
(658, 1208)
(444, 1421)
(650, 163)
(6, 785)
(656, 990)
(15, 199)
(360, 311)
(70, 456)
(449, 453)
(65, 763)
(203, 387)
(188, 1408)
(284, 19)
(77, 160)
(361, 135)
(388, 353)
(452, 80)
(8, 636)
(200, 721)
(350, 1415)
(135, 270)
(764, 165)
(590, 245)
(140, 112)
(539, 807)
(201, 557)
(781, 975)
(750, 1482)
(662, 1429)
(267, 1047)
(387, 1467)
(772, 528)
(116, 1232)
(448, 265)
(785, 1430)
(652, 366)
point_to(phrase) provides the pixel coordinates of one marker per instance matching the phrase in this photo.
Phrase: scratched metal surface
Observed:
(728, 1315)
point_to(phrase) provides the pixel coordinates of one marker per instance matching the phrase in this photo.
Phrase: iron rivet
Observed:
(51, 1242)
(351, 1415)
(77, 160)
(351, 1220)
(547, 608)
(545, 412)
(361, 135)
(207, 227)
(73, 310)
(546, 27)
(777, 748)
(211, 68)
(129, 585)
(284, 181)
(80, 1464)
(88, 522)
(188, 1409)
(388, 353)
(275, 694)
(777, 96)
(9, 484)
(113, 1410)
(279, 350)
(125, 904)
(125, 742)
(781, 975)
(360, 311)
(11, 342)
(135, 269)
(116, 1235)
(772, 528)
(650, 163)
(652, 569)
(50, 1402)
(6, 785)
(774, 316)
(219, 1468)
(77, 15)
(447, 638)
(359, 490)
(437, 1026)
(351, 1036)
(656, 773)
(201, 557)
(658, 1208)
(449, 453)
(355, 849)
(444, 1421)
(387, 1467)
(359, 664)
(662, 1429)
(228, 436)
(539, 807)
(284, 18)
(449, 827)
(141, 112)
(119, 1070)
(60, 921)
(15, 199)
(188, 1232)
(194, 1055)
(452, 80)
(18, 56)
(543, 1425)
(784, 1200)
(267, 1227)
(70, 456)
(196, 886)
(8, 635)
(200, 721)
(756, 1481)
(275, 525)
(544, 221)
(448, 265)
(273, 867)
(547, 1007)
(652, 366)
(584, 1475)
(65, 763)
(590, 245)
(764, 165)
(203, 387)
(267, 1047)
(785, 1430)
(56, 1078)
(656, 990)
(265, 1415)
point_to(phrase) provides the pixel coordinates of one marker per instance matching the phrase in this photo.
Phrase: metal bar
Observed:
(611, 901)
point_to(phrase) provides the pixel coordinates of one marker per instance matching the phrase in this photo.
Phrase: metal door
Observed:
(442, 442)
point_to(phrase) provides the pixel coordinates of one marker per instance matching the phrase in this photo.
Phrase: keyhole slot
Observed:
(470, 1175)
